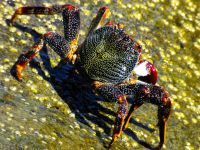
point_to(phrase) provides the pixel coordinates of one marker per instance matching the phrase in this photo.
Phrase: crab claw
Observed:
(163, 115)
(146, 72)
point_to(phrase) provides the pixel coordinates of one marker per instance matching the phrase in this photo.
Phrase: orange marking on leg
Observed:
(36, 48)
(96, 84)
(116, 136)
(74, 58)
(24, 59)
(129, 117)
(72, 49)
(19, 68)
(106, 14)
(121, 98)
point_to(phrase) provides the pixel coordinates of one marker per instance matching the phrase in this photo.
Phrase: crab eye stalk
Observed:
(146, 72)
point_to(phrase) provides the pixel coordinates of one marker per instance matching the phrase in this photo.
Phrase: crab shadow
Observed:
(75, 91)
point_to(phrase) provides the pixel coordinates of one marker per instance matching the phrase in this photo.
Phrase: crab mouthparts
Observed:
(146, 72)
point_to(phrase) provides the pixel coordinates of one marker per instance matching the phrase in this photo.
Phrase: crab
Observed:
(108, 58)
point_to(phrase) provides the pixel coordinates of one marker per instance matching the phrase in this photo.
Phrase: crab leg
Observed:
(64, 47)
(112, 93)
(71, 23)
(98, 21)
(163, 115)
(151, 94)
(146, 72)
(71, 17)
(40, 10)
(130, 112)
(54, 40)
(31, 10)
(24, 59)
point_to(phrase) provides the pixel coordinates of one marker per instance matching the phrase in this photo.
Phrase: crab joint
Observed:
(120, 26)
(72, 50)
(96, 84)
(121, 98)
(19, 11)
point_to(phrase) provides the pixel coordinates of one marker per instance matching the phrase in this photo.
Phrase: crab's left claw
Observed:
(119, 120)
(146, 72)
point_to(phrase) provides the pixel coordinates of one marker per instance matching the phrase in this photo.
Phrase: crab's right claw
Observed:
(163, 115)
(162, 126)
(146, 72)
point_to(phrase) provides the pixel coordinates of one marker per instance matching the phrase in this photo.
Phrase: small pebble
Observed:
(43, 119)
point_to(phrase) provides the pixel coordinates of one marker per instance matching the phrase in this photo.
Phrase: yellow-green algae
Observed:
(33, 116)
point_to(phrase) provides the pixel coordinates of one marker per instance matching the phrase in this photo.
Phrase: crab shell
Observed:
(109, 55)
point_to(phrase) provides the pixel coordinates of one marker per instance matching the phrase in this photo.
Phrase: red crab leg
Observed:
(119, 120)
(71, 17)
(130, 112)
(24, 59)
(163, 115)
(71, 23)
(113, 93)
(54, 40)
(32, 10)
(65, 48)
(151, 94)
(40, 10)
(98, 21)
